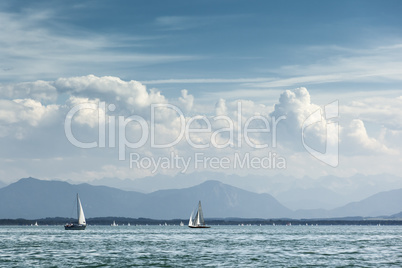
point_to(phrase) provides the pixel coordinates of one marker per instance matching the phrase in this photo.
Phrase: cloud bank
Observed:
(35, 112)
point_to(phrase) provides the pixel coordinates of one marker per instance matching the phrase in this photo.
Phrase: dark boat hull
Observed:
(199, 226)
(74, 227)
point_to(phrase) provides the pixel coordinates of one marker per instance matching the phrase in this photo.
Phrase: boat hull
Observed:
(199, 226)
(74, 227)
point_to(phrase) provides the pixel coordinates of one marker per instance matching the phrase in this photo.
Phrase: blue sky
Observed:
(150, 41)
(57, 54)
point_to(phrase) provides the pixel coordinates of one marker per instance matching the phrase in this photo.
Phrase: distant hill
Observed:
(397, 215)
(218, 200)
(380, 204)
(32, 198)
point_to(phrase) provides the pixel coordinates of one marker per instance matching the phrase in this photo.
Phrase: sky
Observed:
(131, 89)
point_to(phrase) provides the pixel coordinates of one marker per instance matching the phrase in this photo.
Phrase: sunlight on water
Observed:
(174, 246)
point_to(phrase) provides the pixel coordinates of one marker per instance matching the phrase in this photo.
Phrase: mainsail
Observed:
(80, 212)
(81, 225)
(200, 218)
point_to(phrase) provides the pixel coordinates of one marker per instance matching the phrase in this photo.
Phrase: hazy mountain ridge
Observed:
(380, 204)
(31, 198)
(397, 215)
(305, 193)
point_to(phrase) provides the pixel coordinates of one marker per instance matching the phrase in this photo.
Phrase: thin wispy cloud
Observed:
(206, 80)
(358, 65)
(31, 49)
(177, 23)
(180, 23)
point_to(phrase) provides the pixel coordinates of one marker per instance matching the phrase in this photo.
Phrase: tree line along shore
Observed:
(228, 221)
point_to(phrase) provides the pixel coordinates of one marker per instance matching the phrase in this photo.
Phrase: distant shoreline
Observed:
(226, 221)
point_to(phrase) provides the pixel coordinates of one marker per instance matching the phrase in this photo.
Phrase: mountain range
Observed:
(327, 192)
(31, 198)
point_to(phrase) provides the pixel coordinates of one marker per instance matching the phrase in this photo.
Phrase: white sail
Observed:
(198, 219)
(81, 216)
(190, 222)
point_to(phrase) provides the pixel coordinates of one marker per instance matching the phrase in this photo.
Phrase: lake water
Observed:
(224, 246)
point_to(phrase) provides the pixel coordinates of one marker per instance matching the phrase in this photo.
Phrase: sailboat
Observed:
(81, 225)
(198, 220)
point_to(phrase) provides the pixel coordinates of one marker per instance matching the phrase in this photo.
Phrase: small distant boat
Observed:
(181, 223)
(128, 224)
(114, 224)
(198, 220)
(81, 225)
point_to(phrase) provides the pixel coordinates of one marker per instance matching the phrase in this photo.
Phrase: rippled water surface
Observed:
(175, 246)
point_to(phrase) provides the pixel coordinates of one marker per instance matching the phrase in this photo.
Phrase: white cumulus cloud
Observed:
(132, 94)
(38, 90)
